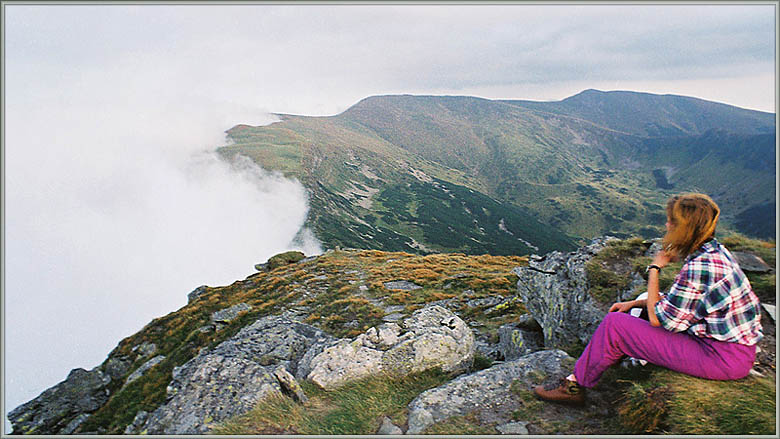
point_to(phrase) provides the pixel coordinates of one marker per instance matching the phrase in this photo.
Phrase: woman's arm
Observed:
(661, 259)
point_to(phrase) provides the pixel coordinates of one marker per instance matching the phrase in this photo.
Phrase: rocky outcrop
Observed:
(751, 263)
(62, 408)
(554, 288)
(486, 390)
(430, 337)
(231, 378)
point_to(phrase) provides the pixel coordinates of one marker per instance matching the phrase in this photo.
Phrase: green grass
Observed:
(356, 408)
(673, 403)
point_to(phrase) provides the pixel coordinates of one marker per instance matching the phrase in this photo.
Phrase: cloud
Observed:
(117, 207)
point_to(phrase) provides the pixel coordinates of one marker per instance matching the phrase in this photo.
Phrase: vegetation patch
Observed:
(356, 408)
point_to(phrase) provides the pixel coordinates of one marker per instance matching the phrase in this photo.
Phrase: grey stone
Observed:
(145, 349)
(515, 343)
(519, 428)
(484, 390)
(74, 424)
(138, 421)
(393, 317)
(751, 263)
(226, 315)
(196, 293)
(554, 288)
(116, 367)
(431, 337)
(485, 301)
(388, 428)
(138, 373)
(229, 379)
(289, 384)
(394, 308)
(401, 285)
(82, 392)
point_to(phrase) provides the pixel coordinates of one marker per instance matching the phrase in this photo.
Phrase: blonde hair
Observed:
(693, 218)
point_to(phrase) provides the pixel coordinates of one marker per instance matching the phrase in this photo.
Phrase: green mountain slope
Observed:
(464, 174)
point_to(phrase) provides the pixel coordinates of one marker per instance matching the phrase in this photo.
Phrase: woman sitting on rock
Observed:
(707, 324)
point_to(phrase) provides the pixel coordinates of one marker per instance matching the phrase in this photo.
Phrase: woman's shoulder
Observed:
(714, 258)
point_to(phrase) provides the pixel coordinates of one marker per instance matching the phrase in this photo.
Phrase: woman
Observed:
(707, 325)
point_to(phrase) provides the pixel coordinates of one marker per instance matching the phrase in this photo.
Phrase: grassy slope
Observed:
(327, 290)
(585, 177)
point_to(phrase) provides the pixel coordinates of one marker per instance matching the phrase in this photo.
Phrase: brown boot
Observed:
(564, 391)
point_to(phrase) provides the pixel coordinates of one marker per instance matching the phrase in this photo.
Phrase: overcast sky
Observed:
(115, 209)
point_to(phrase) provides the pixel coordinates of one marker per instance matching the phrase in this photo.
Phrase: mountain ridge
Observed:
(572, 168)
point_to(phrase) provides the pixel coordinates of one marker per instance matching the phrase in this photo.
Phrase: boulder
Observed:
(138, 373)
(145, 349)
(751, 263)
(62, 408)
(554, 288)
(231, 378)
(225, 316)
(117, 366)
(431, 337)
(283, 259)
(488, 389)
(196, 293)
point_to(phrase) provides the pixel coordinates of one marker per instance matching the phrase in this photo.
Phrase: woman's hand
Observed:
(622, 306)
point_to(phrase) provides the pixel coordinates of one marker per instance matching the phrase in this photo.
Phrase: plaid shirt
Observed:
(712, 297)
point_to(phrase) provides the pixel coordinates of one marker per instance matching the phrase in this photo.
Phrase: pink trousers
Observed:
(622, 334)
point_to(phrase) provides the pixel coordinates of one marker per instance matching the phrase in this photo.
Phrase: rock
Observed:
(434, 337)
(224, 316)
(344, 361)
(393, 317)
(431, 337)
(484, 301)
(229, 379)
(138, 421)
(486, 389)
(513, 428)
(515, 342)
(751, 263)
(388, 428)
(289, 384)
(383, 336)
(138, 373)
(58, 408)
(770, 309)
(261, 267)
(394, 308)
(74, 424)
(283, 259)
(401, 285)
(196, 293)
(145, 349)
(554, 288)
(116, 367)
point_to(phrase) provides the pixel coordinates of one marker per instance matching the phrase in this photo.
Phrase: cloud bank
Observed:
(116, 208)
